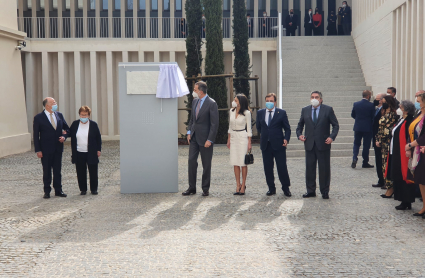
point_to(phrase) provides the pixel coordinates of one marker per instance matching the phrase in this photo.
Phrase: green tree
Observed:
(214, 63)
(193, 45)
(240, 47)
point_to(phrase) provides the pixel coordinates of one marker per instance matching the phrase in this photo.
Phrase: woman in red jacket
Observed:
(317, 23)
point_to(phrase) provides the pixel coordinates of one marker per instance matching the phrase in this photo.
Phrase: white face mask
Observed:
(309, 12)
(264, 15)
(344, 6)
(234, 104)
(195, 95)
(399, 112)
(315, 102)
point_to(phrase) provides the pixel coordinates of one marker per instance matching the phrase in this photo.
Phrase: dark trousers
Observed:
(308, 29)
(81, 167)
(346, 28)
(282, 170)
(340, 30)
(367, 139)
(206, 158)
(378, 164)
(290, 32)
(49, 162)
(323, 158)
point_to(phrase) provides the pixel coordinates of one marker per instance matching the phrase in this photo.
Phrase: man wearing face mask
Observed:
(264, 26)
(345, 13)
(393, 92)
(317, 119)
(270, 125)
(378, 150)
(363, 113)
(201, 132)
(417, 104)
(50, 131)
(308, 23)
(291, 22)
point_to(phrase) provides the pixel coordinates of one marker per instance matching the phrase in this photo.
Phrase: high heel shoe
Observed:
(237, 192)
(386, 197)
(404, 206)
(419, 214)
(240, 193)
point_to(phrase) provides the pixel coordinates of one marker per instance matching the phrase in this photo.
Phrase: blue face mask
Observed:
(55, 108)
(269, 105)
(84, 120)
(417, 106)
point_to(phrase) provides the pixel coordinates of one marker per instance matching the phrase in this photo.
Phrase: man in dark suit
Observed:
(202, 130)
(378, 151)
(291, 22)
(250, 25)
(345, 14)
(48, 143)
(317, 119)
(308, 23)
(270, 123)
(264, 24)
(363, 113)
(393, 92)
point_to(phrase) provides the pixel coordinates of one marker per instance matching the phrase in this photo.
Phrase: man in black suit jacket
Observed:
(363, 113)
(378, 150)
(291, 22)
(317, 119)
(270, 123)
(345, 14)
(202, 130)
(308, 23)
(393, 92)
(250, 25)
(48, 143)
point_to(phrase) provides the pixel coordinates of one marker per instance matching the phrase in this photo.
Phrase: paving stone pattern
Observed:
(354, 234)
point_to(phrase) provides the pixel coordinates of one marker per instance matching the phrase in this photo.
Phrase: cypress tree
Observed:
(214, 63)
(240, 43)
(193, 45)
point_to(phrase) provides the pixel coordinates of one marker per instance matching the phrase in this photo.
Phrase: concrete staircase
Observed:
(329, 65)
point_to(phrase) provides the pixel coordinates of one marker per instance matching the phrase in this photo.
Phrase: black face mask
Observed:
(292, 12)
(385, 106)
(376, 102)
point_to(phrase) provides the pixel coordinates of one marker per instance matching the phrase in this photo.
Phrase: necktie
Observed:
(53, 122)
(270, 117)
(315, 115)
(198, 106)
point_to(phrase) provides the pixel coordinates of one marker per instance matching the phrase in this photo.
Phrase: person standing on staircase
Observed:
(363, 113)
(317, 119)
(345, 13)
(308, 23)
(317, 22)
(291, 22)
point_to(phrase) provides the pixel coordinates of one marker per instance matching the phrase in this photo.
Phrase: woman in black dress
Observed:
(403, 191)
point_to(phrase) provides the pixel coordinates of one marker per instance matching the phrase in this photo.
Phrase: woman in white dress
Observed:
(239, 140)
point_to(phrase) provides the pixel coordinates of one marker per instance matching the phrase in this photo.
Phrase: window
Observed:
(80, 4)
(105, 5)
(178, 5)
(262, 5)
(29, 4)
(55, 4)
(117, 5)
(226, 5)
(41, 4)
(250, 5)
(92, 4)
(273, 5)
(142, 4)
(154, 5)
(129, 4)
(285, 4)
(166, 5)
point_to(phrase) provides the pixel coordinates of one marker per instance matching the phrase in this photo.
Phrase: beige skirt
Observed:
(238, 148)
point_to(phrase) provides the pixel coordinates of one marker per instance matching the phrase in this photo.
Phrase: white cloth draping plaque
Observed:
(142, 82)
(171, 82)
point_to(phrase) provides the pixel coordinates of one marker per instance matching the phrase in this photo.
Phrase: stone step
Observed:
(330, 71)
(323, 82)
(341, 121)
(338, 58)
(335, 146)
(343, 132)
(289, 95)
(339, 115)
(339, 139)
(302, 99)
(320, 75)
(322, 88)
(297, 109)
(334, 153)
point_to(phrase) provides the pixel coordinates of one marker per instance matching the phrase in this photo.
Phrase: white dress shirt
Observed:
(83, 137)
(267, 115)
(53, 116)
(393, 131)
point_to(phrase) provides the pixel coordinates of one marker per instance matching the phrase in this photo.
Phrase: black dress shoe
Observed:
(353, 164)
(46, 195)
(83, 193)
(404, 206)
(205, 193)
(94, 193)
(387, 197)
(325, 196)
(271, 193)
(309, 195)
(60, 194)
(377, 185)
(287, 193)
(189, 192)
(367, 165)
(419, 214)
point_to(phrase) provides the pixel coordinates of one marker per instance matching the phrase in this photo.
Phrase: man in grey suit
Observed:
(317, 119)
(202, 130)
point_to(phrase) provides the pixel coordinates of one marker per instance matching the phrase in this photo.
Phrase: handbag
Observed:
(249, 158)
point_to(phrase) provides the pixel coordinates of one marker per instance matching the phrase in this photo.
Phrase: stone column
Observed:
(110, 93)
(148, 18)
(93, 88)
(172, 18)
(45, 73)
(135, 25)
(325, 17)
(61, 83)
(77, 74)
(123, 19)
(72, 17)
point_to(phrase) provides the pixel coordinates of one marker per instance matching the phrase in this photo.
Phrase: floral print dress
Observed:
(383, 137)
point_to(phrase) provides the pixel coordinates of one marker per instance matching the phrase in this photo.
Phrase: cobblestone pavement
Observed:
(354, 234)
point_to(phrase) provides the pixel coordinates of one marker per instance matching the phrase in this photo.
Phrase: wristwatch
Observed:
(410, 145)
